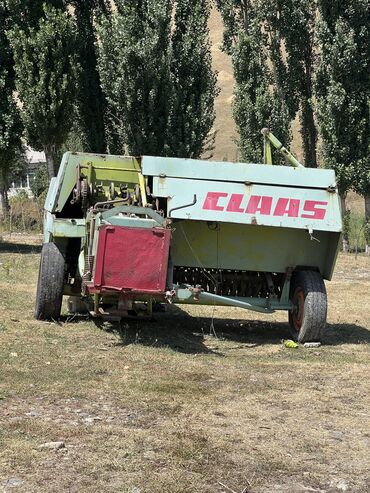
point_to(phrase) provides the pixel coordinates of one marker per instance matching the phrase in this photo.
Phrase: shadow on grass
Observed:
(161, 331)
(23, 248)
(181, 332)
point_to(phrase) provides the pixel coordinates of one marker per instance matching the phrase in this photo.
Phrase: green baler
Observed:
(122, 232)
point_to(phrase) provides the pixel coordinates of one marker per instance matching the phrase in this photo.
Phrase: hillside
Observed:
(226, 147)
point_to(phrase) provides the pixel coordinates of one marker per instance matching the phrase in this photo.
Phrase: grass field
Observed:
(165, 407)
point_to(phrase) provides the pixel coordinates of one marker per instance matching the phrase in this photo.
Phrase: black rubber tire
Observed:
(50, 283)
(308, 318)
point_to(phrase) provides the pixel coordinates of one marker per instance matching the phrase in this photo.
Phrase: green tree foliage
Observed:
(157, 77)
(134, 67)
(289, 36)
(343, 91)
(257, 104)
(45, 79)
(40, 182)
(10, 123)
(194, 87)
(26, 14)
(90, 99)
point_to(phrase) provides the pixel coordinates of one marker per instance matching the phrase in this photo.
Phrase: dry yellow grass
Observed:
(178, 410)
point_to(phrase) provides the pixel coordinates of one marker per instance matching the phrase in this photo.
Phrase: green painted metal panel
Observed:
(248, 247)
(194, 169)
(130, 222)
(267, 205)
(263, 305)
(63, 228)
(99, 169)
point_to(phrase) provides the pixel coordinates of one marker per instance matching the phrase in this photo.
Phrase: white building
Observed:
(34, 160)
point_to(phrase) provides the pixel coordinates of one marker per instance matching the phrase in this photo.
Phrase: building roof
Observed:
(35, 157)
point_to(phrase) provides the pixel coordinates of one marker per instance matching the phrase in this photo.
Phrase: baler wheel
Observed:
(50, 283)
(308, 294)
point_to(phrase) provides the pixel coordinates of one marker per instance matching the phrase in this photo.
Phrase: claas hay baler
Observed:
(122, 233)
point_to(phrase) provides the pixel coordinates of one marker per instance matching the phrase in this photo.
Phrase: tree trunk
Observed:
(309, 135)
(50, 158)
(4, 204)
(367, 224)
(345, 242)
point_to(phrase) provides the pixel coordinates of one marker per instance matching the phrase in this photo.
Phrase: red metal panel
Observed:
(132, 259)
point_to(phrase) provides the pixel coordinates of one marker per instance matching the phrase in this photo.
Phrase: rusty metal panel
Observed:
(132, 260)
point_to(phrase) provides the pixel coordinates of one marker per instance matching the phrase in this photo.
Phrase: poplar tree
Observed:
(134, 67)
(343, 93)
(44, 62)
(257, 103)
(156, 73)
(289, 36)
(10, 123)
(194, 88)
(91, 103)
(26, 14)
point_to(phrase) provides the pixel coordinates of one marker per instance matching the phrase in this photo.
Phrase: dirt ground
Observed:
(169, 407)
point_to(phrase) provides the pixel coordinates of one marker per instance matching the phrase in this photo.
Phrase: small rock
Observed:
(52, 445)
(340, 484)
(14, 355)
(93, 419)
(150, 455)
(32, 414)
(12, 483)
(336, 435)
(312, 344)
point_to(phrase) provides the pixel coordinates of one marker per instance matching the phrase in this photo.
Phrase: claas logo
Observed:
(264, 205)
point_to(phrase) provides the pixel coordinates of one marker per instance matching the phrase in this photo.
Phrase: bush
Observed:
(41, 182)
(26, 214)
(356, 231)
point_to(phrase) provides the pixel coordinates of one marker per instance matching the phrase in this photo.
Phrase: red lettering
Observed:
(311, 206)
(259, 204)
(234, 203)
(287, 206)
(211, 201)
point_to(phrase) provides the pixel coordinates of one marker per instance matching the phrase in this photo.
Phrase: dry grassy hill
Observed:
(225, 126)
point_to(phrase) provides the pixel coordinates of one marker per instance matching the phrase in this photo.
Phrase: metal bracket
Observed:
(182, 206)
(284, 298)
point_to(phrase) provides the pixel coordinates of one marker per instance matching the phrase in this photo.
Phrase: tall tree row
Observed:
(343, 93)
(91, 104)
(44, 64)
(10, 123)
(134, 65)
(155, 69)
(257, 103)
(288, 29)
(193, 81)
(272, 45)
